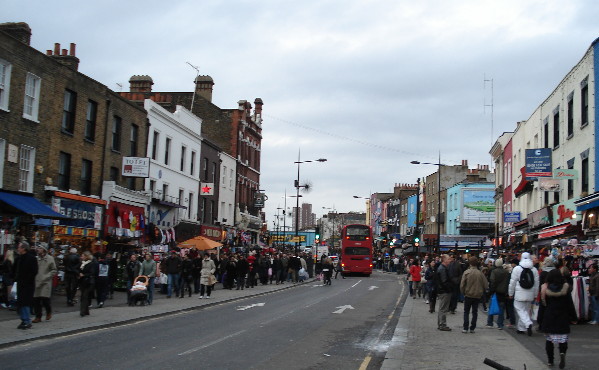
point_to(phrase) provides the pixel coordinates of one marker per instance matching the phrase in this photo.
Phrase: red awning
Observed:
(552, 231)
(524, 184)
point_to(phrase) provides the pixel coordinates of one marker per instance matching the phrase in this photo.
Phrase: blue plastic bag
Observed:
(494, 306)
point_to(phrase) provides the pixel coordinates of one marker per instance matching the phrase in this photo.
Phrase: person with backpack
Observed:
(523, 288)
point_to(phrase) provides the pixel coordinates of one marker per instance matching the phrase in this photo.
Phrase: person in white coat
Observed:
(523, 298)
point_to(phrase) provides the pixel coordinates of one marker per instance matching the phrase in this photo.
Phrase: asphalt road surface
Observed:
(347, 325)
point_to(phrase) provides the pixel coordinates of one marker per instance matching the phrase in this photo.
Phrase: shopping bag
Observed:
(13, 293)
(494, 306)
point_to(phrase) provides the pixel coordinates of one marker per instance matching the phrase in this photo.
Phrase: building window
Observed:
(2, 157)
(556, 128)
(131, 183)
(192, 169)
(68, 111)
(152, 187)
(571, 182)
(181, 197)
(546, 132)
(183, 152)
(224, 179)
(117, 126)
(5, 71)
(26, 161)
(205, 169)
(584, 103)
(114, 174)
(164, 191)
(231, 179)
(213, 172)
(570, 117)
(90, 120)
(584, 176)
(32, 97)
(190, 205)
(155, 145)
(64, 171)
(167, 149)
(133, 140)
(86, 177)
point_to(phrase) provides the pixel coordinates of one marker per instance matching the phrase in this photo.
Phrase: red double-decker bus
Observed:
(356, 249)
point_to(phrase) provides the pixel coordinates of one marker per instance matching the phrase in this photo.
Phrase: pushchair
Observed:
(139, 291)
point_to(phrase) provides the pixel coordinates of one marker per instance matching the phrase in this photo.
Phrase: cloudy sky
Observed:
(369, 85)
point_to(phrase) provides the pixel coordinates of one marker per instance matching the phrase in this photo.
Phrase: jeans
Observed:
(443, 299)
(499, 317)
(595, 305)
(470, 304)
(24, 313)
(151, 289)
(173, 279)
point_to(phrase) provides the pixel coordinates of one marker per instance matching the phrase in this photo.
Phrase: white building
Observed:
(226, 195)
(174, 144)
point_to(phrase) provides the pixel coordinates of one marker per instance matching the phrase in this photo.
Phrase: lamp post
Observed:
(438, 220)
(297, 196)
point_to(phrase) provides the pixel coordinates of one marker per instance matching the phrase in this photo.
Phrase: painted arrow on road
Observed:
(243, 308)
(343, 308)
(372, 287)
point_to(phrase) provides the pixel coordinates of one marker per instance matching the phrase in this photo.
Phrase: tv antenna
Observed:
(194, 89)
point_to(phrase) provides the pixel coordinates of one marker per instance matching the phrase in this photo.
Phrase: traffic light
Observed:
(317, 232)
(416, 240)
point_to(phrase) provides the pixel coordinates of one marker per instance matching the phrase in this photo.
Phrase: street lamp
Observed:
(438, 220)
(297, 196)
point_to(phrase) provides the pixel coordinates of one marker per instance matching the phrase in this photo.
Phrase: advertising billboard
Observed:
(478, 205)
(538, 163)
(136, 167)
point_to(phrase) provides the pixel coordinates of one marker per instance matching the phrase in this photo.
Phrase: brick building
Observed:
(66, 133)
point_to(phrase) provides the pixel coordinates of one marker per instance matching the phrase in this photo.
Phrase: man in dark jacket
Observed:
(25, 271)
(455, 274)
(172, 267)
(71, 274)
(132, 268)
(445, 289)
(498, 285)
(242, 270)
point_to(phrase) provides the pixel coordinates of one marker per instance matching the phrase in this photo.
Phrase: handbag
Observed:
(494, 306)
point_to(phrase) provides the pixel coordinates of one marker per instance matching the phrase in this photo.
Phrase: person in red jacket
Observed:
(415, 270)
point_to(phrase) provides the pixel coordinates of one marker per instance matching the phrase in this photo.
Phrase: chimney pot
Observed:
(65, 52)
(72, 51)
(56, 48)
(49, 52)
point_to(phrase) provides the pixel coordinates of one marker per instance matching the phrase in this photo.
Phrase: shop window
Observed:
(64, 171)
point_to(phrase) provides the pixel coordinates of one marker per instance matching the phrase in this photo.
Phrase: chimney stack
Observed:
(258, 103)
(140, 84)
(19, 31)
(66, 58)
(204, 86)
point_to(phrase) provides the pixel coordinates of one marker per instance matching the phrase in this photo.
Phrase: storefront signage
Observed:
(207, 188)
(478, 205)
(288, 238)
(538, 163)
(81, 214)
(565, 174)
(549, 184)
(564, 212)
(511, 216)
(76, 231)
(213, 233)
(259, 199)
(539, 218)
(136, 167)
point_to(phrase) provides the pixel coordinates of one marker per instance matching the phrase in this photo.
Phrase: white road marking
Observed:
(243, 308)
(372, 287)
(359, 281)
(211, 343)
(343, 308)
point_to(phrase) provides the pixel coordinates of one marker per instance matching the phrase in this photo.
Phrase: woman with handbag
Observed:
(207, 278)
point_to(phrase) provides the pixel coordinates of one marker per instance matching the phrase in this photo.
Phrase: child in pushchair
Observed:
(139, 291)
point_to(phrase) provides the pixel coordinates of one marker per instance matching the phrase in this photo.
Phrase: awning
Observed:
(170, 204)
(25, 204)
(551, 231)
(588, 202)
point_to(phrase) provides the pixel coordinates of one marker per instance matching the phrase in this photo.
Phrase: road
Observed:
(344, 326)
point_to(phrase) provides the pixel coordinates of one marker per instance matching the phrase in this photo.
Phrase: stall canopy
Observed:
(16, 204)
(200, 243)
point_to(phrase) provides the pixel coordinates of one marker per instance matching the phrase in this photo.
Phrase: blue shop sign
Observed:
(82, 214)
(511, 216)
(538, 163)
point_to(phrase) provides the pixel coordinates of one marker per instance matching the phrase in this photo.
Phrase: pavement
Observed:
(418, 344)
(66, 320)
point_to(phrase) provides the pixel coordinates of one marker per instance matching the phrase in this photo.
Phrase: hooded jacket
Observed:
(515, 290)
(559, 310)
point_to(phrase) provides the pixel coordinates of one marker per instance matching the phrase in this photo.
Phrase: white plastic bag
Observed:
(13, 293)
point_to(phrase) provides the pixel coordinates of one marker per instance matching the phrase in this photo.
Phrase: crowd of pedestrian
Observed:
(513, 293)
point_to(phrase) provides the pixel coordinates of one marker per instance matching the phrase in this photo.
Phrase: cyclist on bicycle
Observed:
(327, 270)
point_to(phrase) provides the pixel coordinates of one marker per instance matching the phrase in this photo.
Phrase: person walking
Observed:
(103, 280)
(594, 293)
(46, 269)
(148, 268)
(25, 272)
(430, 276)
(557, 316)
(472, 285)
(172, 267)
(444, 292)
(132, 270)
(186, 276)
(415, 274)
(242, 269)
(87, 281)
(72, 262)
(498, 284)
(207, 279)
(523, 289)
